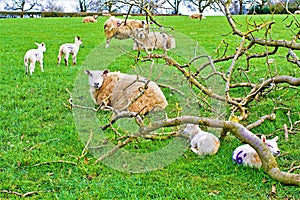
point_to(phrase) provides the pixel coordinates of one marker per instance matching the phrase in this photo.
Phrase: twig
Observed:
(19, 194)
(56, 161)
(261, 120)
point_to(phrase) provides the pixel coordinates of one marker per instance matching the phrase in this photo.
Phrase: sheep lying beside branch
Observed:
(68, 49)
(88, 19)
(121, 29)
(202, 143)
(33, 56)
(149, 40)
(125, 92)
(246, 155)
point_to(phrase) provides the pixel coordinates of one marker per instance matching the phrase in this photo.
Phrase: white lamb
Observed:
(202, 143)
(247, 156)
(116, 28)
(33, 56)
(125, 92)
(149, 40)
(68, 49)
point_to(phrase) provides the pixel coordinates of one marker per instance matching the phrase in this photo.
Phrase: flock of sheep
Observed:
(137, 94)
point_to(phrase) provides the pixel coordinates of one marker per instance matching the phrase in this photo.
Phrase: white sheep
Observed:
(125, 92)
(33, 56)
(247, 156)
(88, 19)
(68, 49)
(202, 143)
(149, 40)
(116, 28)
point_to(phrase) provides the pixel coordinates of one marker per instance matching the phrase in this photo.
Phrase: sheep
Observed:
(33, 56)
(297, 12)
(68, 49)
(115, 27)
(149, 40)
(247, 156)
(92, 19)
(197, 16)
(202, 143)
(125, 92)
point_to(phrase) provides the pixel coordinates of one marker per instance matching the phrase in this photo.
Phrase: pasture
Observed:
(42, 152)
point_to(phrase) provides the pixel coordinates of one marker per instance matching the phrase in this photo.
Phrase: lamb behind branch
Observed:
(125, 92)
(246, 155)
(149, 40)
(202, 143)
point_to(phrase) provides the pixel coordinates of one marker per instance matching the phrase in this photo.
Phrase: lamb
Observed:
(115, 27)
(202, 143)
(92, 19)
(297, 12)
(68, 49)
(33, 56)
(246, 155)
(197, 16)
(125, 92)
(149, 40)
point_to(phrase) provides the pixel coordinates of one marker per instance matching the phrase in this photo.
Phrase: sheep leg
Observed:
(31, 67)
(107, 42)
(59, 57)
(26, 66)
(66, 59)
(74, 59)
(41, 65)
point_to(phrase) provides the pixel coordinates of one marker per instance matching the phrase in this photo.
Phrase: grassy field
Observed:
(42, 151)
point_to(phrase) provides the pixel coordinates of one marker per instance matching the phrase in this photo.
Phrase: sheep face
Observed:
(272, 144)
(96, 78)
(41, 47)
(191, 130)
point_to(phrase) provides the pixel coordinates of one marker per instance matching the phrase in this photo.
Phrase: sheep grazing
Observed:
(202, 143)
(88, 19)
(247, 156)
(197, 16)
(115, 27)
(297, 12)
(125, 92)
(148, 40)
(68, 49)
(33, 56)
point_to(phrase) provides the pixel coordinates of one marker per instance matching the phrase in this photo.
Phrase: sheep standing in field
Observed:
(68, 49)
(125, 92)
(88, 19)
(148, 40)
(197, 16)
(246, 155)
(115, 27)
(202, 143)
(33, 56)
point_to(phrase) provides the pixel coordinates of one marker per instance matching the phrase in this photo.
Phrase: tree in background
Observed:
(22, 5)
(53, 6)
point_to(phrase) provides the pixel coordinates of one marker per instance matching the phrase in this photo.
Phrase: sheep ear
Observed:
(105, 71)
(263, 138)
(87, 72)
(275, 138)
(37, 44)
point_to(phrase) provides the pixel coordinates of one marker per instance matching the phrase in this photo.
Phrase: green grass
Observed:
(37, 127)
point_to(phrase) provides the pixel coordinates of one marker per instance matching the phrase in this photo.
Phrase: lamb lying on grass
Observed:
(33, 56)
(115, 27)
(125, 92)
(246, 155)
(202, 143)
(68, 49)
(149, 40)
(88, 19)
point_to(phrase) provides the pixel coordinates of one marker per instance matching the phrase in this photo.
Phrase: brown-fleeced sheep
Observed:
(115, 27)
(125, 92)
(88, 19)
